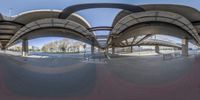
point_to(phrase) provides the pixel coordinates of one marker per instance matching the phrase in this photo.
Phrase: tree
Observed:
(63, 49)
(62, 46)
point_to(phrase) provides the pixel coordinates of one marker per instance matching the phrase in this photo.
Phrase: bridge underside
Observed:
(132, 22)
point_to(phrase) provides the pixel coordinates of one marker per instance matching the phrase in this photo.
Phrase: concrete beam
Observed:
(185, 47)
(75, 8)
(145, 37)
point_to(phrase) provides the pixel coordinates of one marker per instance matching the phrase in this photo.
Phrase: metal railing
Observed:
(171, 56)
(96, 58)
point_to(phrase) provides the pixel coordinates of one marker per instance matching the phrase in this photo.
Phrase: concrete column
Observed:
(157, 49)
(106, 51)
(131, 49)
(99, 50)
(92, 49)
(3, 48)
(185, 47)
(24, 47)
(113, 50)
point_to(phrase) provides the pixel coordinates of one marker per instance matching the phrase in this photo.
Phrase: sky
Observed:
(96, 17)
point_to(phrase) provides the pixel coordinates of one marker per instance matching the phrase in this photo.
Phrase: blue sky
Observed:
(18, 6)
(97, 17)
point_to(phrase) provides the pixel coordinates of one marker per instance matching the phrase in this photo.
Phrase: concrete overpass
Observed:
(132, 21)
(147, 42)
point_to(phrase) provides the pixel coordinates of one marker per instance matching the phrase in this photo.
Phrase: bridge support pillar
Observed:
(3, 48)
(157, 49)
(106, 51)
(185, 47)
(92, 49)
(99, 50)
(131, 49)
(25, 47)
(113, 50)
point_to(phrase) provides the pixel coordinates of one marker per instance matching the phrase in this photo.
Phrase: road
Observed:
(122, 78)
